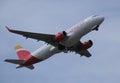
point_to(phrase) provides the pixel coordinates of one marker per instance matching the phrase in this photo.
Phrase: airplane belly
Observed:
(74, 38)
(77, 34)
(45, 52)
(71, 41)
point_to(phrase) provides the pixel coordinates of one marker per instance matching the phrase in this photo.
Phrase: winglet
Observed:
(8, 28)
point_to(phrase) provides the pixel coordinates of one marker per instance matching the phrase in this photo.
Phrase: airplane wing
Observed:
(76, 47)
(48, 38)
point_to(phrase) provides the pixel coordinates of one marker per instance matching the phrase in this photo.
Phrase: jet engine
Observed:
(60, 36)
(86, 45)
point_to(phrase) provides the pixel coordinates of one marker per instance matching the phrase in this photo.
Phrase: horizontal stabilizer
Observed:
(14, 61)
(29, 67)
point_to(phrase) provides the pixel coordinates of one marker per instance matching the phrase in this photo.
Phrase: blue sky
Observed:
(52, 16)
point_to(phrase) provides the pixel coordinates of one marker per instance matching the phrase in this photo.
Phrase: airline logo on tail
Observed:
(25, 58)
(22, 54)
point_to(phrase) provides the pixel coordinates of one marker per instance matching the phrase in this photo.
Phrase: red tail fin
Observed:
(22, 54)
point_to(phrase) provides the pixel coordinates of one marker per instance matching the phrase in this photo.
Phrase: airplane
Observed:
(63, 41)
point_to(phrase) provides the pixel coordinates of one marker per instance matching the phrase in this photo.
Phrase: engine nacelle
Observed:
(60, 36)
(86, 45)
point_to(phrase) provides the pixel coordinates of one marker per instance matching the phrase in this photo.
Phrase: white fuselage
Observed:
(74, 34)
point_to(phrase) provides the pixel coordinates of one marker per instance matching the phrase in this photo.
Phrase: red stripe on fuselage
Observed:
(31, 60)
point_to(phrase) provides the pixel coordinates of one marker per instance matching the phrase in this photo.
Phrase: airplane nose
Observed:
(101, 19)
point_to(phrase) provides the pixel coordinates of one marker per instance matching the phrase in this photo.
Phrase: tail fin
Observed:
(22, 54)
(14, 61)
